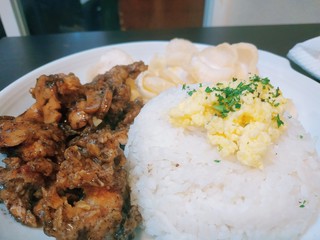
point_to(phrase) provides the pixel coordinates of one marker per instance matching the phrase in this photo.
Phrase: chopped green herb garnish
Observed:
(229, 98)
(191, 92)
(220, 108)
(217, 161)
(300, 136)
(184, 87)
(265, 81)
(276, 104)
(256, 78)
(208, 90)
(278, 120)
(277, 93)
(302, 203)
(200, 84)
(237, 105)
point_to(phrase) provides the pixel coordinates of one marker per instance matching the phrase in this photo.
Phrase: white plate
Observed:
(14, 99)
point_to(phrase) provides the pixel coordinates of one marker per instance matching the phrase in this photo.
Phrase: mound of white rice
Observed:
(183, 192)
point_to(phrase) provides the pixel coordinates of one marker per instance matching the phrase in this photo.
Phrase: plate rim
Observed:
(284, 60)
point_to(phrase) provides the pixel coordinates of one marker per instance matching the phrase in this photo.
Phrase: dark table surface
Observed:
(20, 55)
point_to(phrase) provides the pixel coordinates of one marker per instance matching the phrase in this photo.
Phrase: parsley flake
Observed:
(276, 104)
(277, 93)
(191, 92)
(278, 120)
(208, 90)
(229, 97)
(302, 203)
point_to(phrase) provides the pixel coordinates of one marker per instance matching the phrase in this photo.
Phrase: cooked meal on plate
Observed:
(194, 144)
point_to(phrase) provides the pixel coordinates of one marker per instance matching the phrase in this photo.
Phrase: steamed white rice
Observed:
(184, 193)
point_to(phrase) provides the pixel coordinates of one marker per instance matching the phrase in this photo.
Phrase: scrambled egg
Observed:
(241, 118)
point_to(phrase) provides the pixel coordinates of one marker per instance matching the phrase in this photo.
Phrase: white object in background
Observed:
(260, 12)
(307, 56)
(208, 13)
(12, 18)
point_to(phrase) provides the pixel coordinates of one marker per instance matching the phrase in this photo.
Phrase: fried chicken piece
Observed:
(33, 152)
(78, 192)
(88, 198)
(53, 93)
(130, 112)
(95, 216)
(31, 140)
(95, 158)
(20, 185)
(118, 78)
(62, 98)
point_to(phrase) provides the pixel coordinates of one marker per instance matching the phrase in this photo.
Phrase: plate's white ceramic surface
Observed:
(304, 92)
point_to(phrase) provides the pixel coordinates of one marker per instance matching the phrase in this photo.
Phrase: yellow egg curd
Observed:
(241, 117)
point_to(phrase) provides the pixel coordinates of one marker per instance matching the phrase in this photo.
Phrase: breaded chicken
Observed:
(65, 163)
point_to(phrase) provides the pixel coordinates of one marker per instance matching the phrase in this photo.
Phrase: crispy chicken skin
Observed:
(31, 140)
(34, 151)
(64, 168)
(90, 191)
(62, 98)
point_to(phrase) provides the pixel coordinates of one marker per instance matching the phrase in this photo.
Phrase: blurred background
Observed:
(34, 17)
